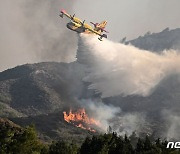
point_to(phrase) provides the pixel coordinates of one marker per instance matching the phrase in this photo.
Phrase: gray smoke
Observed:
(128, 123)
(101, 112)
(172, 119)
(109, 115)
(31, 31)
(117, 69)
(113, 116)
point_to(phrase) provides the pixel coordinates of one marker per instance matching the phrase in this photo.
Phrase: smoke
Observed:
(117, 69)
(101, 112)
(172, 119)
(114, 69)
(31, 31)
(128, 123)
(120, 122)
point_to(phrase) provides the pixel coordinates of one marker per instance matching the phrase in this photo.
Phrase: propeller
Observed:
(72, 17)
(83, 22)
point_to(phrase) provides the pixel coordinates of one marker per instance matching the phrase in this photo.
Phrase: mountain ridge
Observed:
(42, 91)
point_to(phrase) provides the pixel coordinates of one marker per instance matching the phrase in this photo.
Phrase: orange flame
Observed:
(80, 119)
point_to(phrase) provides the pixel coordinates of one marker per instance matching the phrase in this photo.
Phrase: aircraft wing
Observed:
(73, 18)
(63, 12)
(93, 31)
(97, 33)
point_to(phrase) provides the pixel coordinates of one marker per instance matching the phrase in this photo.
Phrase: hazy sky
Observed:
(31, 31)
(131, 18)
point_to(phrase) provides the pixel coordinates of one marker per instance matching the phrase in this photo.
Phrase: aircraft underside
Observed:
(71, 26)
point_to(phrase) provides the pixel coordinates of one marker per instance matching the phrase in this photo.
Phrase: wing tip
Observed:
(63, 11)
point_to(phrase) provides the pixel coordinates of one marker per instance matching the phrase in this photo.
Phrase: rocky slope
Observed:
(39, 93)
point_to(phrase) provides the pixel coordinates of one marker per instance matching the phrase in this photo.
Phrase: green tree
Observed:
(19, 141)
(107, 144)
(139, 146)
(26, 142)
(62, 147)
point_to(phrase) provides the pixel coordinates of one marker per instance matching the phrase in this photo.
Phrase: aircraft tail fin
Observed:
(101, 27)
(102, 24)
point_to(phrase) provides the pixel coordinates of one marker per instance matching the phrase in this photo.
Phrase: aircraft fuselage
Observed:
(75, 27)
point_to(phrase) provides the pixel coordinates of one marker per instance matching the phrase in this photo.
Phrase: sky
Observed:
(31, 31)
(131, 18)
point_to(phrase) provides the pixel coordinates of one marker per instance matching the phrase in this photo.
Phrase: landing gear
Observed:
(101, 37)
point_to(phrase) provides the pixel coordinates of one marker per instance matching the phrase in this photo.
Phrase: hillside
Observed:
(40, 88)
(166, 39)
(39, 93)
(53, 127)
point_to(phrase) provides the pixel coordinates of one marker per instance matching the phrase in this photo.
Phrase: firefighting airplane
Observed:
(81, 27)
